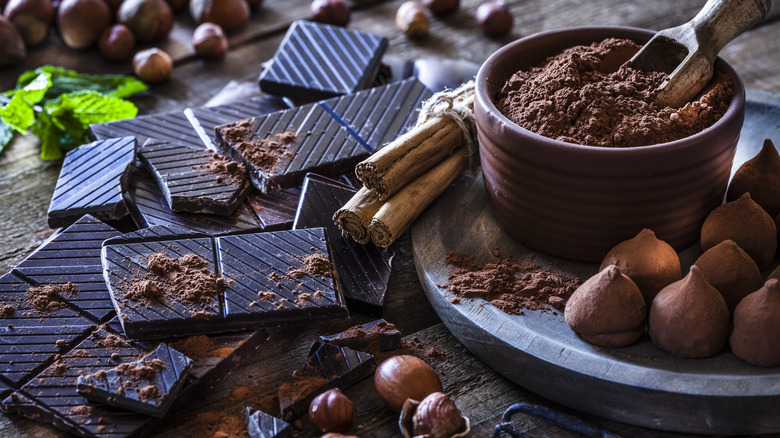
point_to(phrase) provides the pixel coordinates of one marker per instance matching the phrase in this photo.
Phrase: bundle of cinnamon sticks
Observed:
(403, 178)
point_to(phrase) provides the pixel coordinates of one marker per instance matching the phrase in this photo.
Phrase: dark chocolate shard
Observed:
(156, 232)
(330, 365)
(93, 181)
(5, 390)
(148, 385)
(155, 304)
(31, 336)
(151, 208)
(279, 277)
(316, 61)
(172, 126)
(379, 334)
(52, 395)
(209, 117)
(73, 256)
(275, 210)
(190, 184)
(364, 270)
(261, 425)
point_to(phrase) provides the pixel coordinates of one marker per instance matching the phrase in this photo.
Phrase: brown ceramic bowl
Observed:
(578, 201)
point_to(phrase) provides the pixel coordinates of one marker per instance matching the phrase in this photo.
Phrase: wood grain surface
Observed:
(26, 184)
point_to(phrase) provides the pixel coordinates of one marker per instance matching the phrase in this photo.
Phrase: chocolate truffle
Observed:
(731, 271)
(607, 310)
(689, 318)
(756, 334)
(747, 224)
(650, 262)
(759, 176)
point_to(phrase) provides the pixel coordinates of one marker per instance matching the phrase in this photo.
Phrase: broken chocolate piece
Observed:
(330, 366)
(276, 210)
(380, 335)
(261, 425)
(93, 181)
(147, 386)
(195, 180)
(364, 270)
(328, 137)
(316, 61)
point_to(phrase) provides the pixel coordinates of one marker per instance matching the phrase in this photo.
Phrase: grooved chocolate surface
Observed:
(364, 270)
(73, 256)
(121, 390)
(368, 334)
(172, 126)
(261, 425)
(211, 116)
(93, 181)
(188, 185)
(316, 61)
(275, 210)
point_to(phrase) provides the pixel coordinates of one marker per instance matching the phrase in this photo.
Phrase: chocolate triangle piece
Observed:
(194, 179)
(171, 126)
(364, 270)
(147, 386)
(330, 366)
(93, 181)
(378, 335)
(261, 425)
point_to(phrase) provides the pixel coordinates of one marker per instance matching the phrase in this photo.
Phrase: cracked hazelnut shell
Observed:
(730, 270)
(437, 416)
(756, 335)
(650, 262)
(759, 176)
(689, 318)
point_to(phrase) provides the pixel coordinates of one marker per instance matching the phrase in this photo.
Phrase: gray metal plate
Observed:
(639, 384)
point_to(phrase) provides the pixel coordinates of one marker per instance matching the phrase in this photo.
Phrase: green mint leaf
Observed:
(68, 81)
(19, 111)
(6, 134)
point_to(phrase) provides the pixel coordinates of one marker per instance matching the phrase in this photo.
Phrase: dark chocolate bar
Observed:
(316, 61)
(93, 180)
(275, 210)
(364, 270)
(189, 184)
(378, 334)
(148, 385)
(261, 425)
(334, 367)
(73, 256)
(327, 138)
(262, 279)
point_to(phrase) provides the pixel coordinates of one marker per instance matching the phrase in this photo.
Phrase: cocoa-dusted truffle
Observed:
(731, 271)
(747, 224)
(756, 334)
(607, 310)
(759, 176)
(689, 318)
(650, 262)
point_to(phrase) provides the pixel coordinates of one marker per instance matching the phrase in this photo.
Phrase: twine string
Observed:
(449, 103)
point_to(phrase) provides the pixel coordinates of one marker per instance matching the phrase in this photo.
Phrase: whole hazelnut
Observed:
(81, 22)
(332, 411)
(33, 18)
(12, 50)
(150, 20)
(441, 7)
(412, 20)
(402, 377)
(178, 5)
(494, 18)
(437, 416)
(335, 12)
(117, 43)
(152, 65)
(228, 14)
(209, 41)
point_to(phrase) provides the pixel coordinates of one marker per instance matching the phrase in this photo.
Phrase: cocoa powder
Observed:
(48, 298)
(585, 95)
(224, 166)
(509, 284)
(263, 154)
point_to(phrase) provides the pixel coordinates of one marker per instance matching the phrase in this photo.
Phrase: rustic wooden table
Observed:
(26, 184)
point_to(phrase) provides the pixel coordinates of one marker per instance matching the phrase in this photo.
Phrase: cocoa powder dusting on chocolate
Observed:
(82, 411)
(224, 166)
(146, 370)
(262, 153)
(196, 347)
(145, 291)
(584, 95)
(113, 341)
(48, 298)
(7, 310)
(149, 392)
(313, 264)
(59, 368)
(509, 284)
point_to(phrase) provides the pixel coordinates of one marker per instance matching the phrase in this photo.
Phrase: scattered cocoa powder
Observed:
(112, 340)
(146, 291)
(49, 298)
(195, 347)
(82, 411)
(313, 264)
(584, 95)
(224, 166)
(146, 370)
(59, 368)
(264, 153)
(80, 353)
(149, 392)
(218, 423)
(509, 284)
(302, 385)
(7, 310)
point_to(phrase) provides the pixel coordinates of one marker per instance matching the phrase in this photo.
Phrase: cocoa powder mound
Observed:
(509, 284)
(49, 298)
(7, 310)
(186, 279)
(313, 264)
(149, 392)
(263, 154)
(585, 95)
(218, 424)
(224, 166)
(195, 347)
(147, 370)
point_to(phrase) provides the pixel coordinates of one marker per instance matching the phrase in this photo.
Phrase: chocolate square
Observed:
(261, 425)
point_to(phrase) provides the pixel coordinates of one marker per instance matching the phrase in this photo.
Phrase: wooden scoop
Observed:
(687, 52)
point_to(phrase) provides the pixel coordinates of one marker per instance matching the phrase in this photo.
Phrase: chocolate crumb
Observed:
(222, 165)
(49, 298)
(7, 310)
(149, 392)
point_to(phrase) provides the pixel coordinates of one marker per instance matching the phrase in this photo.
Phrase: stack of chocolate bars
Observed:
(184, 235)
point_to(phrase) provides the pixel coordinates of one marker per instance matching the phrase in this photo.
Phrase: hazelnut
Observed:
(12, 51)
(209, 41)
(81, 22)
(228, 14)
(405, 377)
(494, 18)
(117, 43)
(152, 65)
(150, 20)
(335, 12)
(178, 5)
(332, 411)
(441, 7)
(437, 416)
(33, 18)
(412, 20)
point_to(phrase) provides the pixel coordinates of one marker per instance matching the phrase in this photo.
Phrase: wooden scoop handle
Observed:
(720, 21)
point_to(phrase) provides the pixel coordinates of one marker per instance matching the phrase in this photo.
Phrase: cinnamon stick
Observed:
(398, 212)
(410, 155)
(355, 216)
